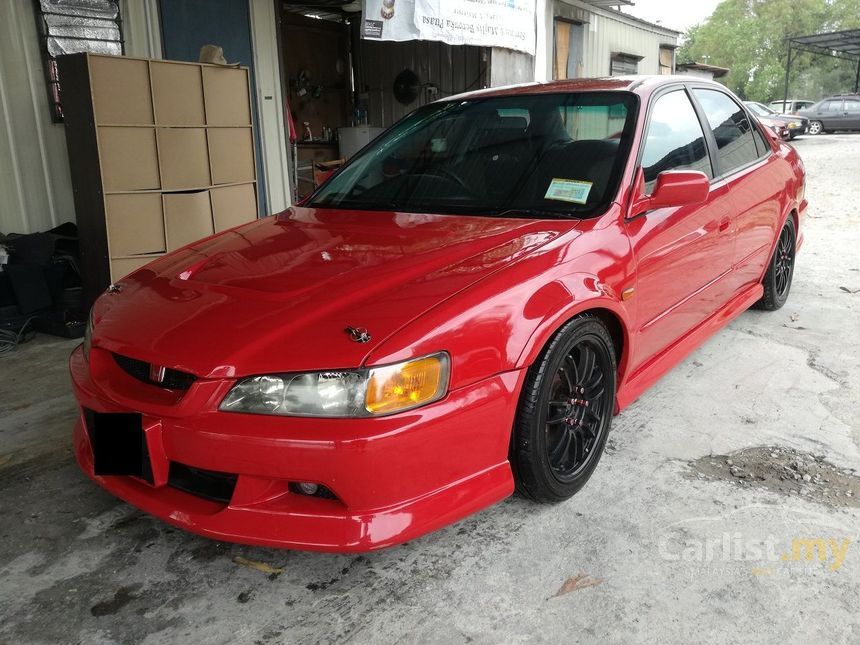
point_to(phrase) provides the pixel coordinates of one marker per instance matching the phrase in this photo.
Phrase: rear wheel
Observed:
(777, 280)
(815, 127)
(565, 412)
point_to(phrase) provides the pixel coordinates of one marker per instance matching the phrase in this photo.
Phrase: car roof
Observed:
(641, 84)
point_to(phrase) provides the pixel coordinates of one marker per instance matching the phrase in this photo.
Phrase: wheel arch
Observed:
(610, 312)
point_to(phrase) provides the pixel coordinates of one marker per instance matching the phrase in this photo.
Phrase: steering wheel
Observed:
(448, 175)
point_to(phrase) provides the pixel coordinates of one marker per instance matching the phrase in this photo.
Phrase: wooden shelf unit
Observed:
(161, 155)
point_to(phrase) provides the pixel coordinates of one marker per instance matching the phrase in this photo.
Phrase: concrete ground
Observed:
(670, 542)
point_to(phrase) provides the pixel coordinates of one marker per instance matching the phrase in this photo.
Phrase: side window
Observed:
(761, 142)
(852, 105)
(832, 106)
(675, 140)
(732, 130)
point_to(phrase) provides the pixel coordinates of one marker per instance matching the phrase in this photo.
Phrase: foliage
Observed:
(749, 37)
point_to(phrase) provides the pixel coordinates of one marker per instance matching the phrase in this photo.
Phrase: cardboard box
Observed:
(187, 217)
(231, 154)
(226, 94)
(120, 89)
(121, 267)
(129, 158)
(177, 94)
(183, 158)
(135, 224)
(233, 205)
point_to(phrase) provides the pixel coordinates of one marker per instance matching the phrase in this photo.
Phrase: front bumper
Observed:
(798, 127)
(395, 478)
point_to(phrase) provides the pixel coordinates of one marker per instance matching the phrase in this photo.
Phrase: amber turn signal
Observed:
(394, 388)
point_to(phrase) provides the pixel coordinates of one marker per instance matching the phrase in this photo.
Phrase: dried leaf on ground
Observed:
(574, 583)
(258, 566)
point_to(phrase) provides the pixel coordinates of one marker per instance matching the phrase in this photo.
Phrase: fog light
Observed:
(307, 488)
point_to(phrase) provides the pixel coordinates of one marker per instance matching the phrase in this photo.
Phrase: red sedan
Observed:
(456, 313)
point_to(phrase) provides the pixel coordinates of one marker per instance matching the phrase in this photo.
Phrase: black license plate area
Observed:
(119, 444)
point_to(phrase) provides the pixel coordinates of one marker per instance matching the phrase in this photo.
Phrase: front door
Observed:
(683, 254)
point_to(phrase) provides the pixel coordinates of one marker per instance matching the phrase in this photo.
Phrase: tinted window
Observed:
(732, 130)
(852, 105)
(831, 106)
(761, 142)
(675, 139)
(550, 154)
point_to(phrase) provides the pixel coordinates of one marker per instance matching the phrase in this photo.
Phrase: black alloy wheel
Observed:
(780, 273)
(565, 412)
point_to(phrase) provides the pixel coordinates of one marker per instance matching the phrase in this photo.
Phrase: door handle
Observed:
(724, 224)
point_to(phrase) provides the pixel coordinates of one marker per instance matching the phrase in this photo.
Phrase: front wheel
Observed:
(815, 127)
(565, 411)
(777, 280)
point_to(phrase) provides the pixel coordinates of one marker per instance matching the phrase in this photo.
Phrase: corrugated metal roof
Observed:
(843, 42)
(609, 4)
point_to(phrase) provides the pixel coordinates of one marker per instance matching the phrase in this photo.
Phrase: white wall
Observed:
(270, 103)
(35, 187)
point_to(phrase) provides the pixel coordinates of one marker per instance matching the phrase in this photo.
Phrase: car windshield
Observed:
(761, 110)
(547, 155)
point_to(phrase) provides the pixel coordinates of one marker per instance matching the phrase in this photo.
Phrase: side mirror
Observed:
(672, 189)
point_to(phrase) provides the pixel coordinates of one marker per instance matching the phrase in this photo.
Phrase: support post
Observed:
(857, 78)
(787, 76)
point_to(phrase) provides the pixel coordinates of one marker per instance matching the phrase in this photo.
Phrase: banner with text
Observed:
(483, 23)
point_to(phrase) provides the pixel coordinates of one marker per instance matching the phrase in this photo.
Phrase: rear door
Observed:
(683, 254)
(851, 112)
(743, 160)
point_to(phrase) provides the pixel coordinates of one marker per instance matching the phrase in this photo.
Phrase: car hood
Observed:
(788, 118)
(278, 294)
(773, 121)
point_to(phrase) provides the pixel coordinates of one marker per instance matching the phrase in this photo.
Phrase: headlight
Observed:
(374, 391)
(88, 336)
(794, 124)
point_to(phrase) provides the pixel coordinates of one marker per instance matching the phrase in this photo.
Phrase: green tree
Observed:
(750, 38)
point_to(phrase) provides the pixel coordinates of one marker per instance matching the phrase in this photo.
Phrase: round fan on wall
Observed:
(407, 87)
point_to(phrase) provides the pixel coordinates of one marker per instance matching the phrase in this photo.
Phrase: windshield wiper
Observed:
(537, 213)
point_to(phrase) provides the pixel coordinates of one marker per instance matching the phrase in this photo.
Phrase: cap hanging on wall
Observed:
(214, 55)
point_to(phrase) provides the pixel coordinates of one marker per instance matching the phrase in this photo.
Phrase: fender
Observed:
(588, 294)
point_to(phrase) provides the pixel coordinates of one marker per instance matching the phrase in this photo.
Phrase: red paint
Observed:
(275, 296)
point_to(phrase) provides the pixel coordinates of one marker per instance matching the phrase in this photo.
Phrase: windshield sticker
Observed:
(568, 190)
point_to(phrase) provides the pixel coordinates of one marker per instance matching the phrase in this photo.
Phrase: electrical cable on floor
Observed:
(9, 339)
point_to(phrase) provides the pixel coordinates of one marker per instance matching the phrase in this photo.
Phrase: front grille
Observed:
(173, 379)
(208, 484)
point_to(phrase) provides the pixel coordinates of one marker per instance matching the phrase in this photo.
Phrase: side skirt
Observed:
(650, 373)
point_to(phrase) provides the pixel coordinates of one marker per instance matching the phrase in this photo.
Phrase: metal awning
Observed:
(835, 44)
(610, 4)
(840, 44)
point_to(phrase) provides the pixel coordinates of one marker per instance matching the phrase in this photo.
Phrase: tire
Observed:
(815, 127)
(563, 418)
(780, 271)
